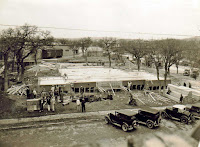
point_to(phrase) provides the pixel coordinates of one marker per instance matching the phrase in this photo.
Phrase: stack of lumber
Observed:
(17, 89)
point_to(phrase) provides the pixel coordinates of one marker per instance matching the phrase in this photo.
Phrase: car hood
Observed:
(186, 113)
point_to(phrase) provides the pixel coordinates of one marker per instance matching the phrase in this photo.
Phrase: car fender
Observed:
(108, 116)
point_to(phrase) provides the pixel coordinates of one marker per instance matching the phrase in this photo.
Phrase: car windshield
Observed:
(196, 108)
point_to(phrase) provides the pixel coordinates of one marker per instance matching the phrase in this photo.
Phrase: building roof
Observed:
(127, 112)
(182, 107)
(85, 74)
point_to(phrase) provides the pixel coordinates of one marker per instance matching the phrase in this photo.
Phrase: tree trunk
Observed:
(158, 72)
(35, 56)
(5, 72)
(138, 63)
(168, 70)
(83, 52)
(109, 58)
(86, 61)
(165, 79)
(177, 68)
(22, 71)
(158, 76)
(18, 71)
(13, 62)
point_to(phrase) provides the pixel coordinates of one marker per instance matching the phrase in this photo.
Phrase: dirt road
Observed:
(87, 131)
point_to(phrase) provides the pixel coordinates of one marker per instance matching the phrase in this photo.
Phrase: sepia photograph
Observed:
(99, 73)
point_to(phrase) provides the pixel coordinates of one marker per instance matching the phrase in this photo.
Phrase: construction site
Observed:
(97, 82)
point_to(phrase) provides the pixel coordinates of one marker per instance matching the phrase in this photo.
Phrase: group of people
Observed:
(80, 103)
(31, 94)
(47, 98)
(189, 85)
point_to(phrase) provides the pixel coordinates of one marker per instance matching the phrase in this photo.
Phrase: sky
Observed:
(144, 19)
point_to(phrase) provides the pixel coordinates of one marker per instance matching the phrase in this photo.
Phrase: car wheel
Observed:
(164, 115)
(150, 124)
(107, 121)
(184, 119)
(125, 127)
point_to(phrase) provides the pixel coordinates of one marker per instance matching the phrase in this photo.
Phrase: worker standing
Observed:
(52, 103)
(83, 104)
(61, 96)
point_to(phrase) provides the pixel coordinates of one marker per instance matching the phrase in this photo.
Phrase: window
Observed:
(76, 89)
(175, 109)
(86, 89)
(92, 89)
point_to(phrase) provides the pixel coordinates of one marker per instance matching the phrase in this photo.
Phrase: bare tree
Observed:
(43, 38)
(84, 44)
(138, 48)
(108, 44)
(74, 45)
(29, 40)
(7, 43)
(168, 51)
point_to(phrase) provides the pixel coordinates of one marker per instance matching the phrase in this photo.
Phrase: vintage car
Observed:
(149, 117)
(195, 110)
(178, 112)
(186, 72)
(122, 118)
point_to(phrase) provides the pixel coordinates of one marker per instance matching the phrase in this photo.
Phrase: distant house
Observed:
(94, 51)
(67, 51)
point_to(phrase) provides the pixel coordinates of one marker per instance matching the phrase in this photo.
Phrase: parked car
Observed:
(194, 73)
(186, 72)
(195, 110)
(149, 117)
(178, 112)
(123, 118)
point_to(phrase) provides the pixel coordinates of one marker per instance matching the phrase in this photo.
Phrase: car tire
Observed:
(150, 124)
(164, 115)
(125, 127)
(184, 119)
(107, 121)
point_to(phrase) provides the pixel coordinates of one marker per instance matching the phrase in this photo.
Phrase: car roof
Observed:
(196, 105)
(179, 106)
(150, 110)
(127, 112)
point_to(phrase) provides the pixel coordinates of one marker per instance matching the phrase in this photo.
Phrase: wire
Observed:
(45, 27)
